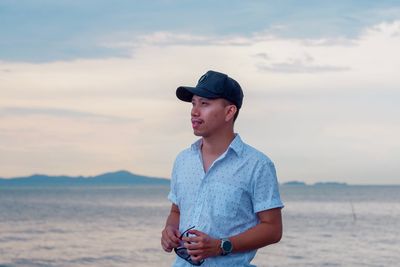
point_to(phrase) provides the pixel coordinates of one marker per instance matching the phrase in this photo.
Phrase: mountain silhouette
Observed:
(112, 178)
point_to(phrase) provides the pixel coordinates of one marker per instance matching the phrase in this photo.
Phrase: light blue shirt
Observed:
(224, 201)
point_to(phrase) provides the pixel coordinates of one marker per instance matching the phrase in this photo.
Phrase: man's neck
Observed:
(217, 144)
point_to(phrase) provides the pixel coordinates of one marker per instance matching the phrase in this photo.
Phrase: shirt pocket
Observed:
(225, 200)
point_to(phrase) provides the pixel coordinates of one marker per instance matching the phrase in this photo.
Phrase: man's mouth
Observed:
(196, 123)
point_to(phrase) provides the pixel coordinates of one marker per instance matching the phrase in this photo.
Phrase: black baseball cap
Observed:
(213, 85)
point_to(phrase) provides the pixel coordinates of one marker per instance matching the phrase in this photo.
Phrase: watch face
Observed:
(227, 246)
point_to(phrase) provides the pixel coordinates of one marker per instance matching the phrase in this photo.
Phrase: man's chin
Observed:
(197, 132)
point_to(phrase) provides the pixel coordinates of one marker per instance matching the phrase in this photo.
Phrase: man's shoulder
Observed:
(185, 153)
(255, 154)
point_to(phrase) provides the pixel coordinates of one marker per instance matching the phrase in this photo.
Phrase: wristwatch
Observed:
(226, 246)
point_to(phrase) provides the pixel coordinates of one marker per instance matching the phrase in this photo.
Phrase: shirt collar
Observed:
(196, 145)
(236, 145)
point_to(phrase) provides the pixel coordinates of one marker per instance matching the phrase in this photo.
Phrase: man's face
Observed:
(208, 116)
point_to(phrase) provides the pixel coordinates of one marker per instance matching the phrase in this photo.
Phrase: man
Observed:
(224, 193)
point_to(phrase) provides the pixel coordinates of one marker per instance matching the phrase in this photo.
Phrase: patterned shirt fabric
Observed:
(223, 201)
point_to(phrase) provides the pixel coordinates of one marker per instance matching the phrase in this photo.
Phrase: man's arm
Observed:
(170, 234)
(266, 232)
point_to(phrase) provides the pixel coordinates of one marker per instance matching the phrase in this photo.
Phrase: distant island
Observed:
(298, 183)
(330, 184)
(295, 183)
(111, 178)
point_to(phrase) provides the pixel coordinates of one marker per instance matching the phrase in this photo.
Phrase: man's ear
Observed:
(230, 112)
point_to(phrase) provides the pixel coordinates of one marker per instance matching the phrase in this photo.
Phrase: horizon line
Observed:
(286, 183)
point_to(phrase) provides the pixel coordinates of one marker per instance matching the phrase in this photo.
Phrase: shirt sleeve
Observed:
(172, 196)
(266, 189)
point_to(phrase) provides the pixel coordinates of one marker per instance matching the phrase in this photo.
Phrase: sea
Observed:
(326, 225)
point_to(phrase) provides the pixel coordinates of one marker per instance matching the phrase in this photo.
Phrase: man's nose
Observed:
(195, 111)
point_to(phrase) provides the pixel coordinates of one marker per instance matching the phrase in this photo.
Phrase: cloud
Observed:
(299, 67)
(88, 29)
(296, 65)
(63, 113)
(301, 98)
(385, 28)
(264, 56)
(165, 39)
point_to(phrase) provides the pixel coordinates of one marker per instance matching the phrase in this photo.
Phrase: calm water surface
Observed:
(121, 226)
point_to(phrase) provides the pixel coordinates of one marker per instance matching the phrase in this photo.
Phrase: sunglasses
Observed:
(183, 253)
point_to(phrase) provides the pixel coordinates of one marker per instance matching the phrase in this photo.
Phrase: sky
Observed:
(88, 87)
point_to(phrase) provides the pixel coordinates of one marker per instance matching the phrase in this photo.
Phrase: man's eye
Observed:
(204, 103)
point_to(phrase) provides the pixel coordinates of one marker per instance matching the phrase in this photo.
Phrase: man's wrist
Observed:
(217, 247)
(226, 246)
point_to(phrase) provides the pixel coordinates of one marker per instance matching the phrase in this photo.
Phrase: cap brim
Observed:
(186, 93)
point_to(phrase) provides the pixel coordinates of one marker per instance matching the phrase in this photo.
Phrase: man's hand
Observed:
(170, 238)
(201, 246)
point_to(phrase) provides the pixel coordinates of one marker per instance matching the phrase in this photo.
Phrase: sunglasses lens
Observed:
(182, 252)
